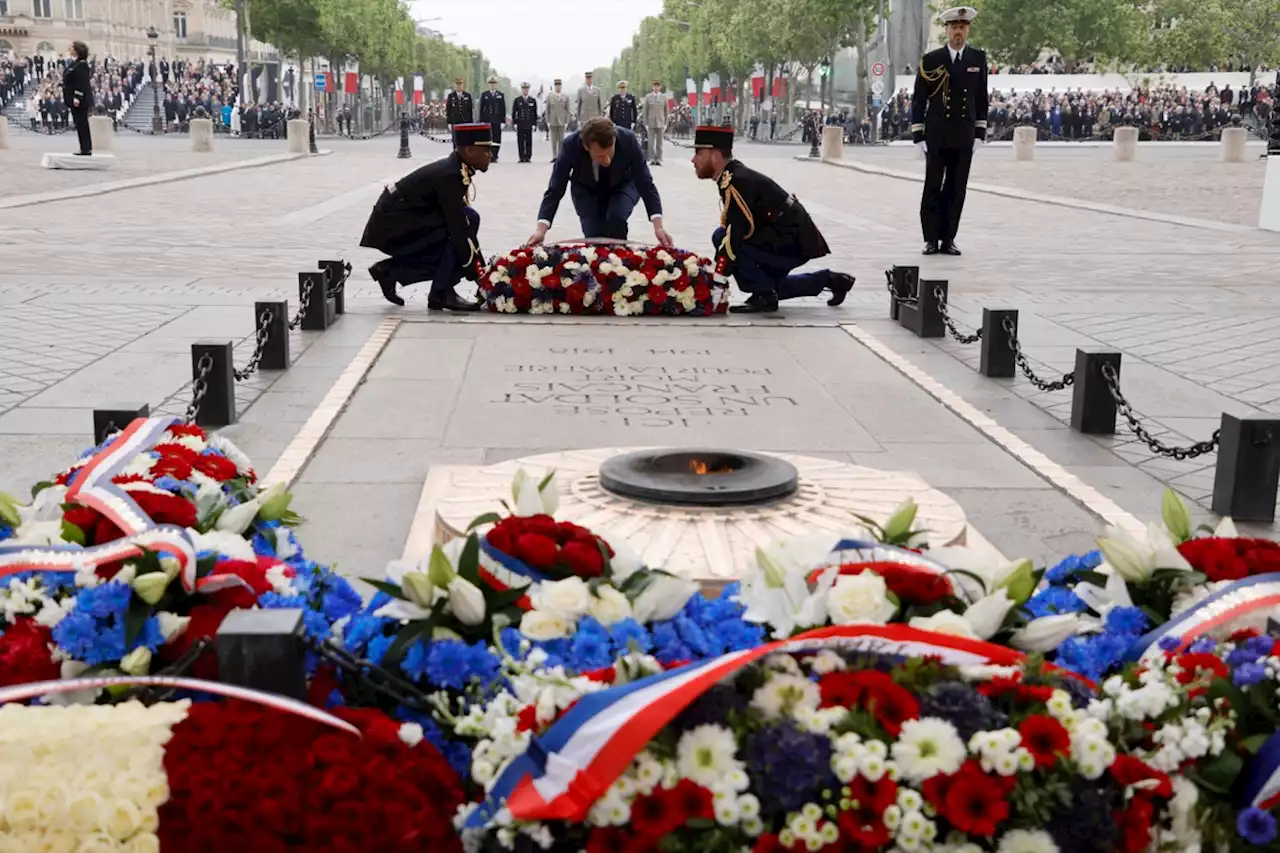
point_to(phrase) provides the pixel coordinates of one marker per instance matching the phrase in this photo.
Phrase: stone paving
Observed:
(163, 266)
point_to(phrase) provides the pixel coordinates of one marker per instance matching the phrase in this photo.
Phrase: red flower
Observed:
(1128, 770)
(1199, 665)
(24, 654)
(657, 294)
(655, 815)
(1231, 559)
(584, 560)
(527, 719)
(205, 619)
(166, 509)
(891, 704)
(976, 804)
(179, 430)
(1135, 825)
(537, 550)
(1045, 738)
(864, 822)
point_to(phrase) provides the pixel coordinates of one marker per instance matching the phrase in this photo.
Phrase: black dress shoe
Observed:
(759, 304)
(950, 249)
(378, 272)
(452, 302)
(841, 284)
(930, 248)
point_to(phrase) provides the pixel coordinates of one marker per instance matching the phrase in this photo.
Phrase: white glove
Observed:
(922, 147)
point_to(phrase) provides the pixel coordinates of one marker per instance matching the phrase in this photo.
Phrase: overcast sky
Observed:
(539, 40)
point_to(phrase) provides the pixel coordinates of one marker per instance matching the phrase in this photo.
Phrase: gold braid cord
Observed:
(731, 195)
(939, 77)
(468, 196)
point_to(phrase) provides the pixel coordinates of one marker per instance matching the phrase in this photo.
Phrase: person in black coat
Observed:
(524, 115)
(426, 224)
(493, 109)
(764, 232)
(458, 107)
(77, 93)
(604, 169)
(948, 120)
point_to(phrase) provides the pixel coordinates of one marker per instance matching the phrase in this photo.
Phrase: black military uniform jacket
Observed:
(433, 196)
(949, 104)
(77, 85)
(458, 108)
(524, 111)
(623, 110)
(493, 106)
(754, 209)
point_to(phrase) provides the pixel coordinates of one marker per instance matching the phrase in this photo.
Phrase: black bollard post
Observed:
(217, 382)
(275, 352)
(997, 356)
(923, 317)
(904, 281)
(1248, 470)
(263, 650)
(338, 273)
(1093, 409)
(311, 130)
(318, 313)
(405, 153)
(108, 421)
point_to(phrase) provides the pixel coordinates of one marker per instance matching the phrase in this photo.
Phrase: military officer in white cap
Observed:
(948, 120)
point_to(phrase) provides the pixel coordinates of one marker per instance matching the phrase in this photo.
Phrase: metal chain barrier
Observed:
(199, 387)
(1157, 447)
(341, 283)
(371, 677)
(1067, 380)
(259, 347)
(893, 294)
(305, 304)
(946, 319)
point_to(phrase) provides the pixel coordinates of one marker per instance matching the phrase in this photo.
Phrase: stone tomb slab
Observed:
(540, 387)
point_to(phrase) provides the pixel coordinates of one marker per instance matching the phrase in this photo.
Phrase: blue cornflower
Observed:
(557, 652)
(264, 546)
(276, 601)
(1248, 674)
(1202, 645)
(362, 628)
(1256, 826)
(694, 637)
(1054, 600)
(377, 649)
(511, 639)
(1259, 646)
(104, 600)
(1095, 655)
(1170, 643)
(1064, 570)
(6, 532)
(179, 487)
(454, 664)
(1127, 621)
(1240, 655)
(340, 599)
(629, 635)
(737, 635)
(588, 651)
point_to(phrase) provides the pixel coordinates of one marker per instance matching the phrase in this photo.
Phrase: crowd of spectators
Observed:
(37, 84)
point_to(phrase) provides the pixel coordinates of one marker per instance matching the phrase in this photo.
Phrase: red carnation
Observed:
(1197, 665)
(976, 803)
(891, 704)
(1231, 559)
(864, 821)
(1128, 770)
(1135, 825)
(537, 550)
(24, 654)
(583, 560)
(166, 509)
(657, 294)
(1045, 738)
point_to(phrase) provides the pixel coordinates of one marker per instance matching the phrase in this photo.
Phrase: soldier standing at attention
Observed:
(493, 109)
(623, 108)
(655, 121)
(764, 232)
(590, 102)
(557, 117)
(458, 108)
(948, 121)
(524, 115)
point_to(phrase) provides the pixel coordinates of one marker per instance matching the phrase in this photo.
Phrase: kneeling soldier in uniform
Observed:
(948, 120)
(764, 232)
(426, 224)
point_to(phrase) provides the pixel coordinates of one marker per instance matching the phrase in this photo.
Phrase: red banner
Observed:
(399, 96)
(779, 87)
(353, 83)
(757, 87)
(417, 96)
(329, 84)
(693, 99)
(671, 103)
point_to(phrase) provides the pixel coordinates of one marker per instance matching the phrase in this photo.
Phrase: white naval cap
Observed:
(959, 14)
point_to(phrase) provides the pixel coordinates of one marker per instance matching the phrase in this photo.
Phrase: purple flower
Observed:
(1256, 826)
(1248, 674)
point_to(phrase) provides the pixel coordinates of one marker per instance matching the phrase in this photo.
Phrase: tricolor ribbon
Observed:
(572, 764)
(91, 486)
(1238, 600)
(1262, 776)
(23, 692)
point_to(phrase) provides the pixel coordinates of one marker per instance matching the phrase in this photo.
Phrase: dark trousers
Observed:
(524, 142)
(604, 215)
(757, 271)
(946, 176)
(497, 138)
(81, 118)
(432, 257)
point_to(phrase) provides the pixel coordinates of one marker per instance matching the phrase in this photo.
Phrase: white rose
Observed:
(610, 605)
(860, 598)
(545, 625)
(119, 818)
(57, 841)
(143, 843)
(945, 622)
(82, 811)
(568, 598)
(22, 808)
(97, 843)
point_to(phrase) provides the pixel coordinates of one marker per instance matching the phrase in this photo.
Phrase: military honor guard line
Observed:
(427, 226)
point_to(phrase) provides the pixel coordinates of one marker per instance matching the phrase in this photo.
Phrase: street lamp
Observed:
(157, 123)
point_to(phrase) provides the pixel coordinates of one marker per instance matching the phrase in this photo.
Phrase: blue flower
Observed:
(1094, 655)
(186, 488)
(1170, 643)
(6, 532)
(787, 767)
(589, 650)
(1066, 569)
(511, 639)
(340, 599)
(1127, 621)
(694, 637)
(452, 664)
(1202, 645)
(377, 649)
(628, 636)
(1054, 600)
(361, 630)
(104, 600)
(1256, 826)
(1248, 674)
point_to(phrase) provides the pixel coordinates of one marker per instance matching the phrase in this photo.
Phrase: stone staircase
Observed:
(138, 116)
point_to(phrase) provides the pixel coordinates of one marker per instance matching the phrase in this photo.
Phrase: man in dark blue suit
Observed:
(605, 171)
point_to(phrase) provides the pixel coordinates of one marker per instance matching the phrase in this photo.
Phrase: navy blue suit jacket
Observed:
(573, 164)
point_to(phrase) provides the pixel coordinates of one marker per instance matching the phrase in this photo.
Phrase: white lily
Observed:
(233, 546)
(1137, 560)
(1046, 633)
(533, 496)
(466, 601)
(238, 518)
(662, 599)
(1101, 599)
(423, 583)
(994, 574)
(776, 590)
(987, 614)
(1226, 529)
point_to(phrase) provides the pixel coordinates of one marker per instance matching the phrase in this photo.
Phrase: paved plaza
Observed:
(101, 298)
